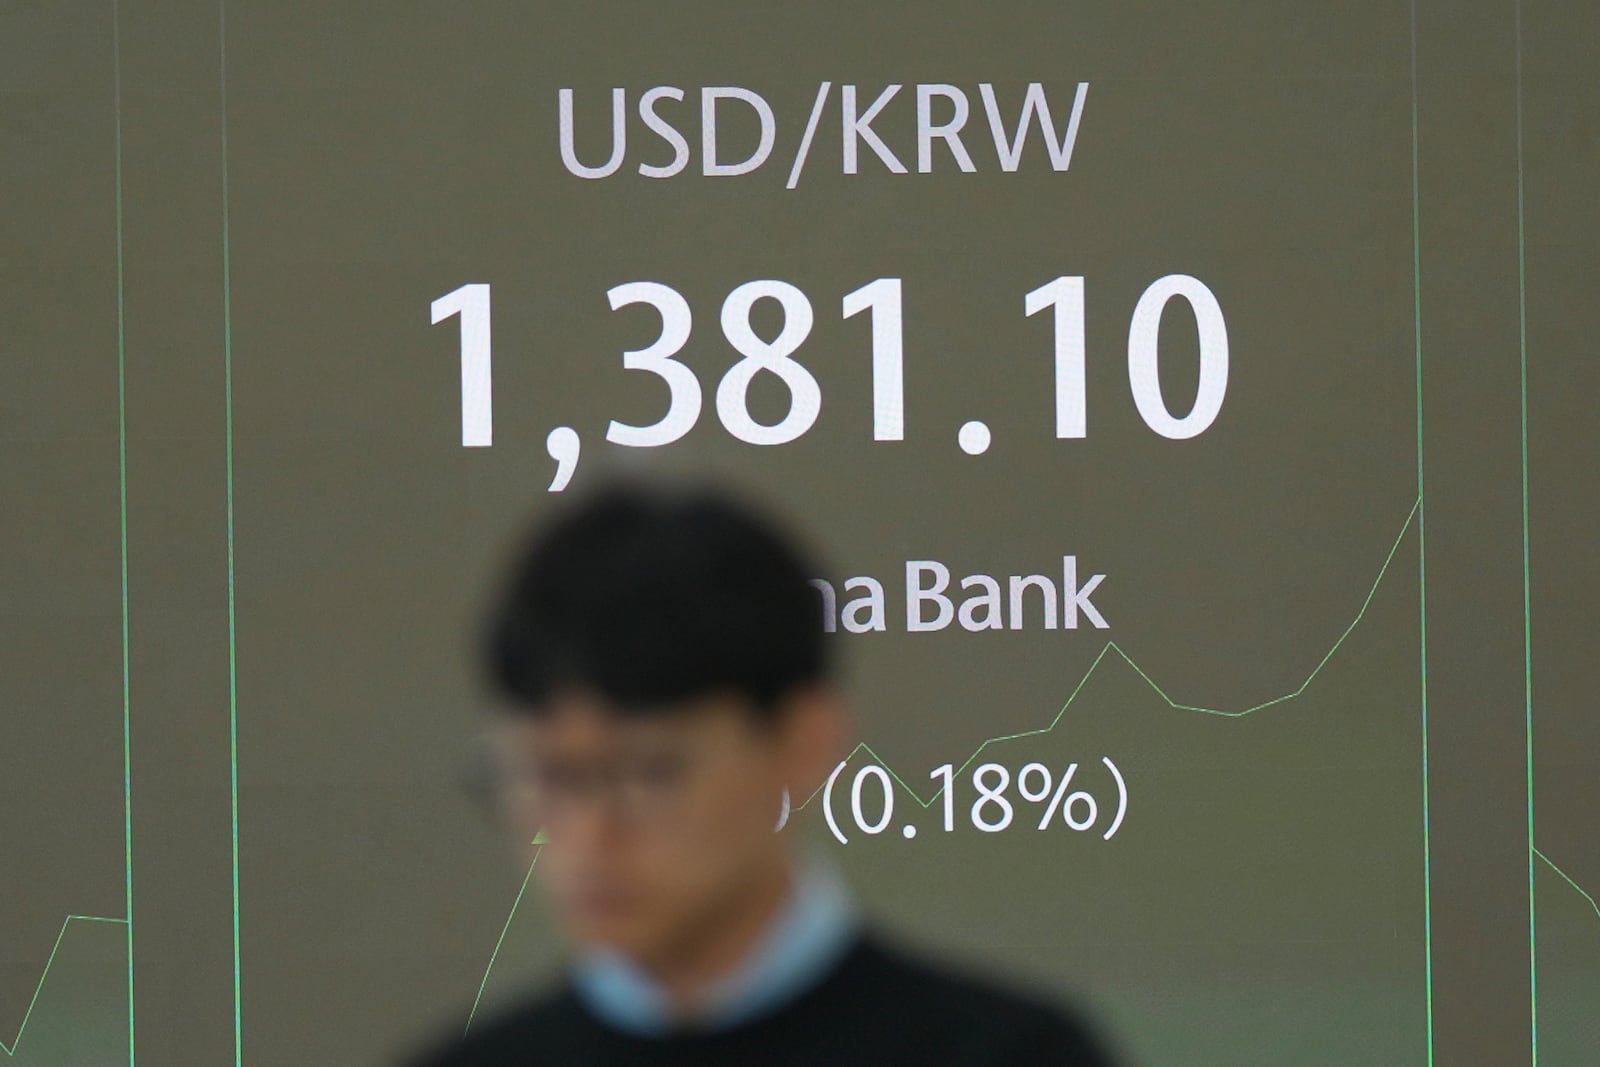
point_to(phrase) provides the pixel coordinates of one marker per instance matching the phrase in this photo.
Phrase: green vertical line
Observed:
(233, 674)
(1527, 607)
(122, 486)
(1422, 553)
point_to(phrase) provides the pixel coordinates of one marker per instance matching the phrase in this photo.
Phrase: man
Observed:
(663, 660)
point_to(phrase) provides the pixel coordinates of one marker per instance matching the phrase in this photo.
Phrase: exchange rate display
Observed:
(1186, 406)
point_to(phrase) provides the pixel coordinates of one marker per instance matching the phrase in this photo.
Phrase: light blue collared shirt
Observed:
(811, 932)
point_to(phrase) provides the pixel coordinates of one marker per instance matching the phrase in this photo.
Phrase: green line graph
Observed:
(502, 940)
(125, 921)
(11, 1049)
(1568, 879)
(1112, 646)
(1569, 983)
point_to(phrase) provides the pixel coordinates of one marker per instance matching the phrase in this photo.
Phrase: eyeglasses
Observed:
(643, 788)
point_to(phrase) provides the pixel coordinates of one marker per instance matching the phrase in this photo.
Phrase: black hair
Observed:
(651, 595)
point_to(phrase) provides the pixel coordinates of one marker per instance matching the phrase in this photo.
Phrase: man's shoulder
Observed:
(966, 1005)
(891, 962)
(883, 994)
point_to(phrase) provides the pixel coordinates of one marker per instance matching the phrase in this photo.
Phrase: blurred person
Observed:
(665, 681)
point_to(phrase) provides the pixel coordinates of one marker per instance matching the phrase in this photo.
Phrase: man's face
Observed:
(654, 823)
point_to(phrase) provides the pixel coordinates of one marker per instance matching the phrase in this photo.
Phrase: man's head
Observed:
(661, 658)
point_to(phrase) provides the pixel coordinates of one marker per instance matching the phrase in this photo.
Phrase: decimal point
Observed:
(974, 438)
(908, 831)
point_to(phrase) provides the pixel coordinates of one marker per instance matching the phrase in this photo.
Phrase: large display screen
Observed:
(1186, 405)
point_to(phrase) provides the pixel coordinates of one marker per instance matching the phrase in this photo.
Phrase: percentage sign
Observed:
(1061, 800)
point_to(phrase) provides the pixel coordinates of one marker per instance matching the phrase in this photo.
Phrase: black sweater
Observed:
(879, 1006)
